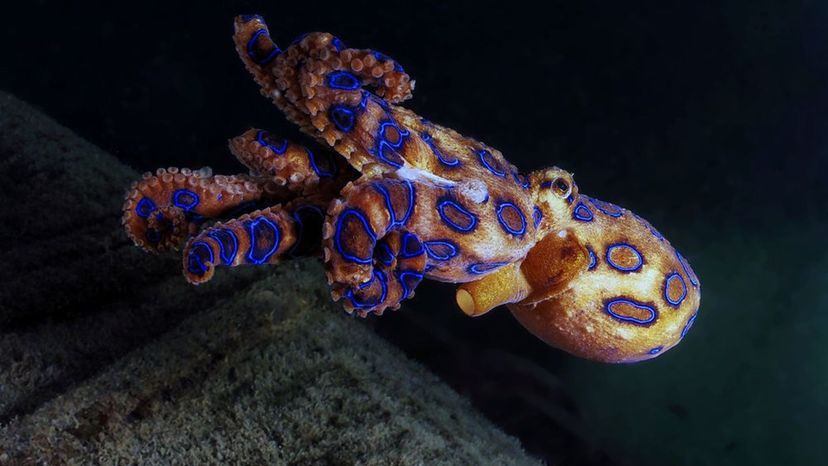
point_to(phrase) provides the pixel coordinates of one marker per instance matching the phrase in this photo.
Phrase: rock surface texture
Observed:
(108, 356)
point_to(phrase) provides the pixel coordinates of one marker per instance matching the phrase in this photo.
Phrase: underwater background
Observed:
(710, 121)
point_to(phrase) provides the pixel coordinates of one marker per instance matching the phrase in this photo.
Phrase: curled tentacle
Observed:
(398, 263)
(373, 260)
(163, 209)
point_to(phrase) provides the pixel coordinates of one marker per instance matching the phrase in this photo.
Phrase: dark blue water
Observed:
(708, 120)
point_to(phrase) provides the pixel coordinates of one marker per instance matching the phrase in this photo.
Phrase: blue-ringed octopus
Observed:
(401, 199)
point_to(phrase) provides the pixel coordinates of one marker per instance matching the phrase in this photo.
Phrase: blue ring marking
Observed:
(183, 203)
(381, 102)
(402, 275)
(251, 231)
(620, 268)
(521, 180)
(677, 302)
(537, 216)
(342, 80)
(607, 208)
(406, 252)
(249, 18)
(655, 350)
(582, 213)
(380, 188)
(514, 232)
(689, 324)
(378, 275)
(546, 184)
(153, 235)
(220, 236)
(383, 57)
(643, 322)
(195, 264)
(300, 225)
(687, 271)
(343, 117)
(338, 235)
(394, 223)
(425, 121)
(448, 203)
(411, 196)
(338, 45)
(429, 140)
(435, 250)
(386, 256)
(252, 53)
(484, 267)
(276, 150)
(319, 172)
(593, 259)
(363, 102)
(384, 145)
(484, 154)
(145, 207)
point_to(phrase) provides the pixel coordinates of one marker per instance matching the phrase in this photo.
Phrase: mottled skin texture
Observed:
(408, 200)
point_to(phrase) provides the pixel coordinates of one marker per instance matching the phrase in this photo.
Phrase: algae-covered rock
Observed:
(108, 356)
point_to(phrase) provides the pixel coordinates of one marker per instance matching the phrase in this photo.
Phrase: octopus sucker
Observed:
(386, 199)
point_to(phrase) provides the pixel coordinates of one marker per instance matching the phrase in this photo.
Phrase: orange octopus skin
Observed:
(415, 200)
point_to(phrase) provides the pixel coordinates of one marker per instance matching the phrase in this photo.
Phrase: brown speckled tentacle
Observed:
(163, 209)
(295, 167)
(374, 262)
(333, 93)
(263, 237)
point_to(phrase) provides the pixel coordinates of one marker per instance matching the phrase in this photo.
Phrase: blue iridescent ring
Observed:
(411, 246)
(504, 206)
(342, 80)
(440, 250)
(145, 207)
(343, 117)
(667, 282)
(402, 276)
(227, 242)
(185, 199)
(622, 268)
(195, 264)
(484, 267)
(653, 314)
(593, 260)
(260, 138)
(429, 140)
(537, 216)
(252, 227)
(352, 212)
(582, 213)
(488, 160)
(252, 53)
(689, 324)
(471, 219)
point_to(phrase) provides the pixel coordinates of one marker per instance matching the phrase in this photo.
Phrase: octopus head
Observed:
(601, 283)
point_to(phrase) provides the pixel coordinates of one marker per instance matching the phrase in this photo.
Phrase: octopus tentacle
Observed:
(294, 166)
(374, 261)
(163, 209)
(261, 237)
(333, 93)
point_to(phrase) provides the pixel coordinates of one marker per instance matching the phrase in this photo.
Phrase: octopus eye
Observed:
(561, 187)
